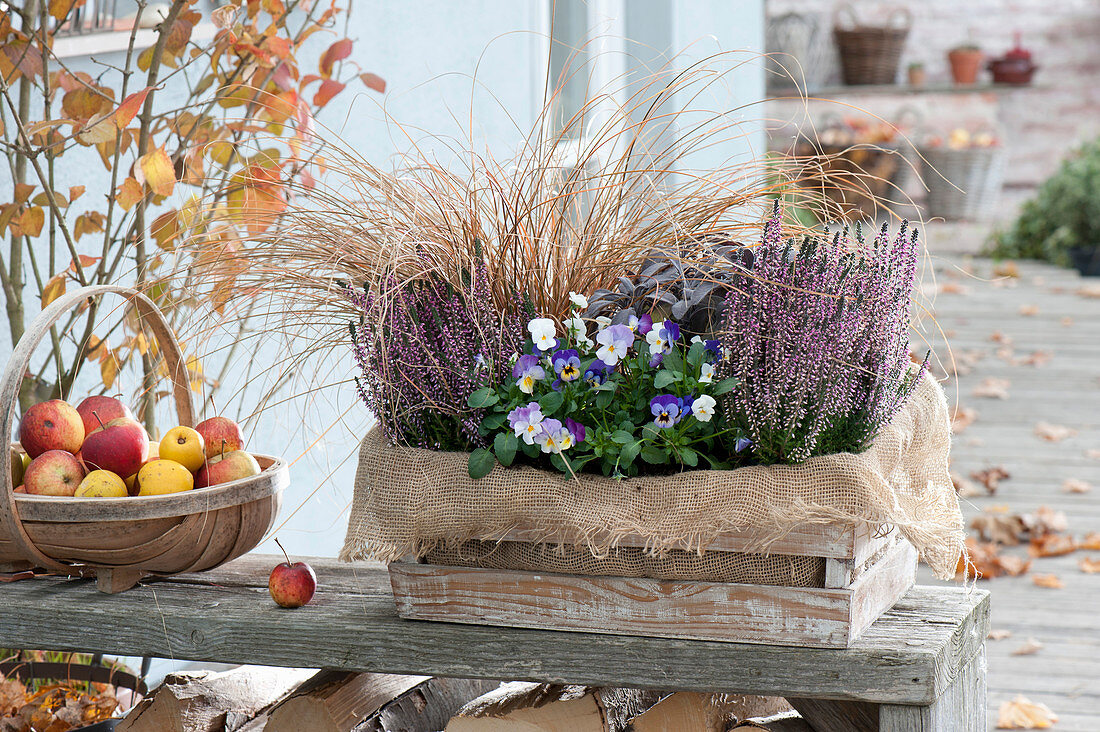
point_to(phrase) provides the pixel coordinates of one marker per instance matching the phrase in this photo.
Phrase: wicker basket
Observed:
(963, 185)
(796, 52)
(870, 54)
(857, 179)
(121, 540)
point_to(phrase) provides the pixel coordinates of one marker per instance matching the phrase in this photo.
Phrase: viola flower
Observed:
(567, 365)
(543, 333)
(645, 324)
(579, 301)
(596, 373)
(666, 410)
(615, 341)
(576, 429)
(526, 421)
(686, 404)
(662, 336)
(526, 372)
(706, 373)
(703, 408)
(602, 320)
(742, 444)
(577, 329)
(710, 347)
(552, 436)
(656, 359)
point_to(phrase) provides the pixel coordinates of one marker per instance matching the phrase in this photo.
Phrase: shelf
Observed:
(901, 89)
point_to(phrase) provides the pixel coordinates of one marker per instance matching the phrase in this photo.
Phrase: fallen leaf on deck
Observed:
(1091, 542)
(953, 288)
(980, 560)
(999, 337)
(1022, 713)
(962, 418)
(991, 477)
(967, 488)
(1006, 269)
(1049, 581)
(1092, 453)
(1030, 647)
(1051, 545)
(1014, 566)
(1053, 432)
(1045, 520)
(1029, 310)
(992, 388)
(963, 362)
(999, 634)
(999, 528)
(1037, 359)
(1089, 565)
(1067, 322)
(1075, 485)
(1090, 291)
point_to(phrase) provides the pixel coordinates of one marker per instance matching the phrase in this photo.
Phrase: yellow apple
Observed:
(101, 484)
(158, 477)
(184, 446)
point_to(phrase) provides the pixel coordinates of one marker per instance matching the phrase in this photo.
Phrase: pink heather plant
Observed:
(819, 339)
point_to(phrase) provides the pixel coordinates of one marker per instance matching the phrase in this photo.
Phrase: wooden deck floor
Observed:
(1043, 310)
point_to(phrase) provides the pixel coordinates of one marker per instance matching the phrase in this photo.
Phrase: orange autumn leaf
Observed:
(60, 9)
(1089, 565)
(1022, 713)
(1048, 581)
(157, 171)
(54, 289)
(30, 221)
(336, 52)
(1053, 432)
(1051, 545)
(165, 229)
(128, 194)
(129, 107)
(75, 192)
(328, 89)
(1091, 542)
(373, 82)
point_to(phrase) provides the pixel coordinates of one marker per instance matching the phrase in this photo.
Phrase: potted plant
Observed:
(966, 62)
(917, 74)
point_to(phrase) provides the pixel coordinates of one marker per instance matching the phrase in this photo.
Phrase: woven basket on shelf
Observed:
(870, 54)
(963, 185)
(121, 540)
(797, 50)
(858, 179)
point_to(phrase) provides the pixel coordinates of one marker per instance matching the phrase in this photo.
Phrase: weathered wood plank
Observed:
(224, 616)
(961, 708)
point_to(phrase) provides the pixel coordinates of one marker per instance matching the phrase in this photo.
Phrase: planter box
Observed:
(862, 576)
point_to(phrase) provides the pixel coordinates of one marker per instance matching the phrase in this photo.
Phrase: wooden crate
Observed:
(865, 574)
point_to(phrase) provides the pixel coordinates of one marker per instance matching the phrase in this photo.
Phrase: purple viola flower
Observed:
(567, 365)
(526, 372)
(554, 436)
(615, 341)
(662, 336)
(645, 324)
(671, 331)
(596, 373)
(656, 359)
(576, 429)
(713, 348)
(685, 405)
(666, 410)
(743, 443)
(526, 421)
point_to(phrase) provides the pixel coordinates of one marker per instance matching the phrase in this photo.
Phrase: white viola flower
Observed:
(703, 407)
(543, 333)
(602, 320)
(579, 301)
(696, 339)
(706, 375)
(578, 330)
(656, 340)
(615, 341)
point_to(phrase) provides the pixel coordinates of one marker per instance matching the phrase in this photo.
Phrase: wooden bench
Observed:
(920, 667)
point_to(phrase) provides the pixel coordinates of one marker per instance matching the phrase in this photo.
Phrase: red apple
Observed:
(226, 467)
(52, 425)
(217, 429)
(53, 473)
(292, 585)
(105, 408)
(120, 446)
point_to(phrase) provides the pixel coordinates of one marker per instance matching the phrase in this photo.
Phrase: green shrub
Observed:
(1064, 213)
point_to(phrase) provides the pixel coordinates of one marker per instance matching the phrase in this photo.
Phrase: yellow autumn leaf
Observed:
(54, 289)
(108, 369)
(165, 230)
(30, 221)
(128, 194)
(157, 171)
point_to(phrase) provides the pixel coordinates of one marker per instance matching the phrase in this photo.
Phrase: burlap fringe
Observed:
(409, 501)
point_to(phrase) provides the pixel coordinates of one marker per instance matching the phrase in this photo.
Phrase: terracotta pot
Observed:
(917, 76)
(965, 64)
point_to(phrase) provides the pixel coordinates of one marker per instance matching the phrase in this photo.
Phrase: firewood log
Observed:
(530, 707)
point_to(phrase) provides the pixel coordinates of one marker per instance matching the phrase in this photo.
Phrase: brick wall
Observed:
(1038, 124)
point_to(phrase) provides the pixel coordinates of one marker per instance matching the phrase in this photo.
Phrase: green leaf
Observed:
(550, 403)
(695, 353)
(665, 377)
(626, 457)
(481, 463)
(651, 430)
(483, 397)
(723, 386)
(689, 457)
(531, 450)
(505, 445)
(493, 422)
(622, 437)
(604, 399)
(653, 455)
(673, 360)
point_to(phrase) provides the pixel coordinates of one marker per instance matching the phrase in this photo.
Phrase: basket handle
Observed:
(150, 316)
(844, 17)
(904, 13)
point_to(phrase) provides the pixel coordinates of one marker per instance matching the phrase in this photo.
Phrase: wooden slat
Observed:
(908, 657)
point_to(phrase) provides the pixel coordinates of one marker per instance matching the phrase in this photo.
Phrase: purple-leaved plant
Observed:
(422, 347)
(819, 338)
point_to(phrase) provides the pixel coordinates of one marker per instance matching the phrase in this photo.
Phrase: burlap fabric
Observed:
(411, 501)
